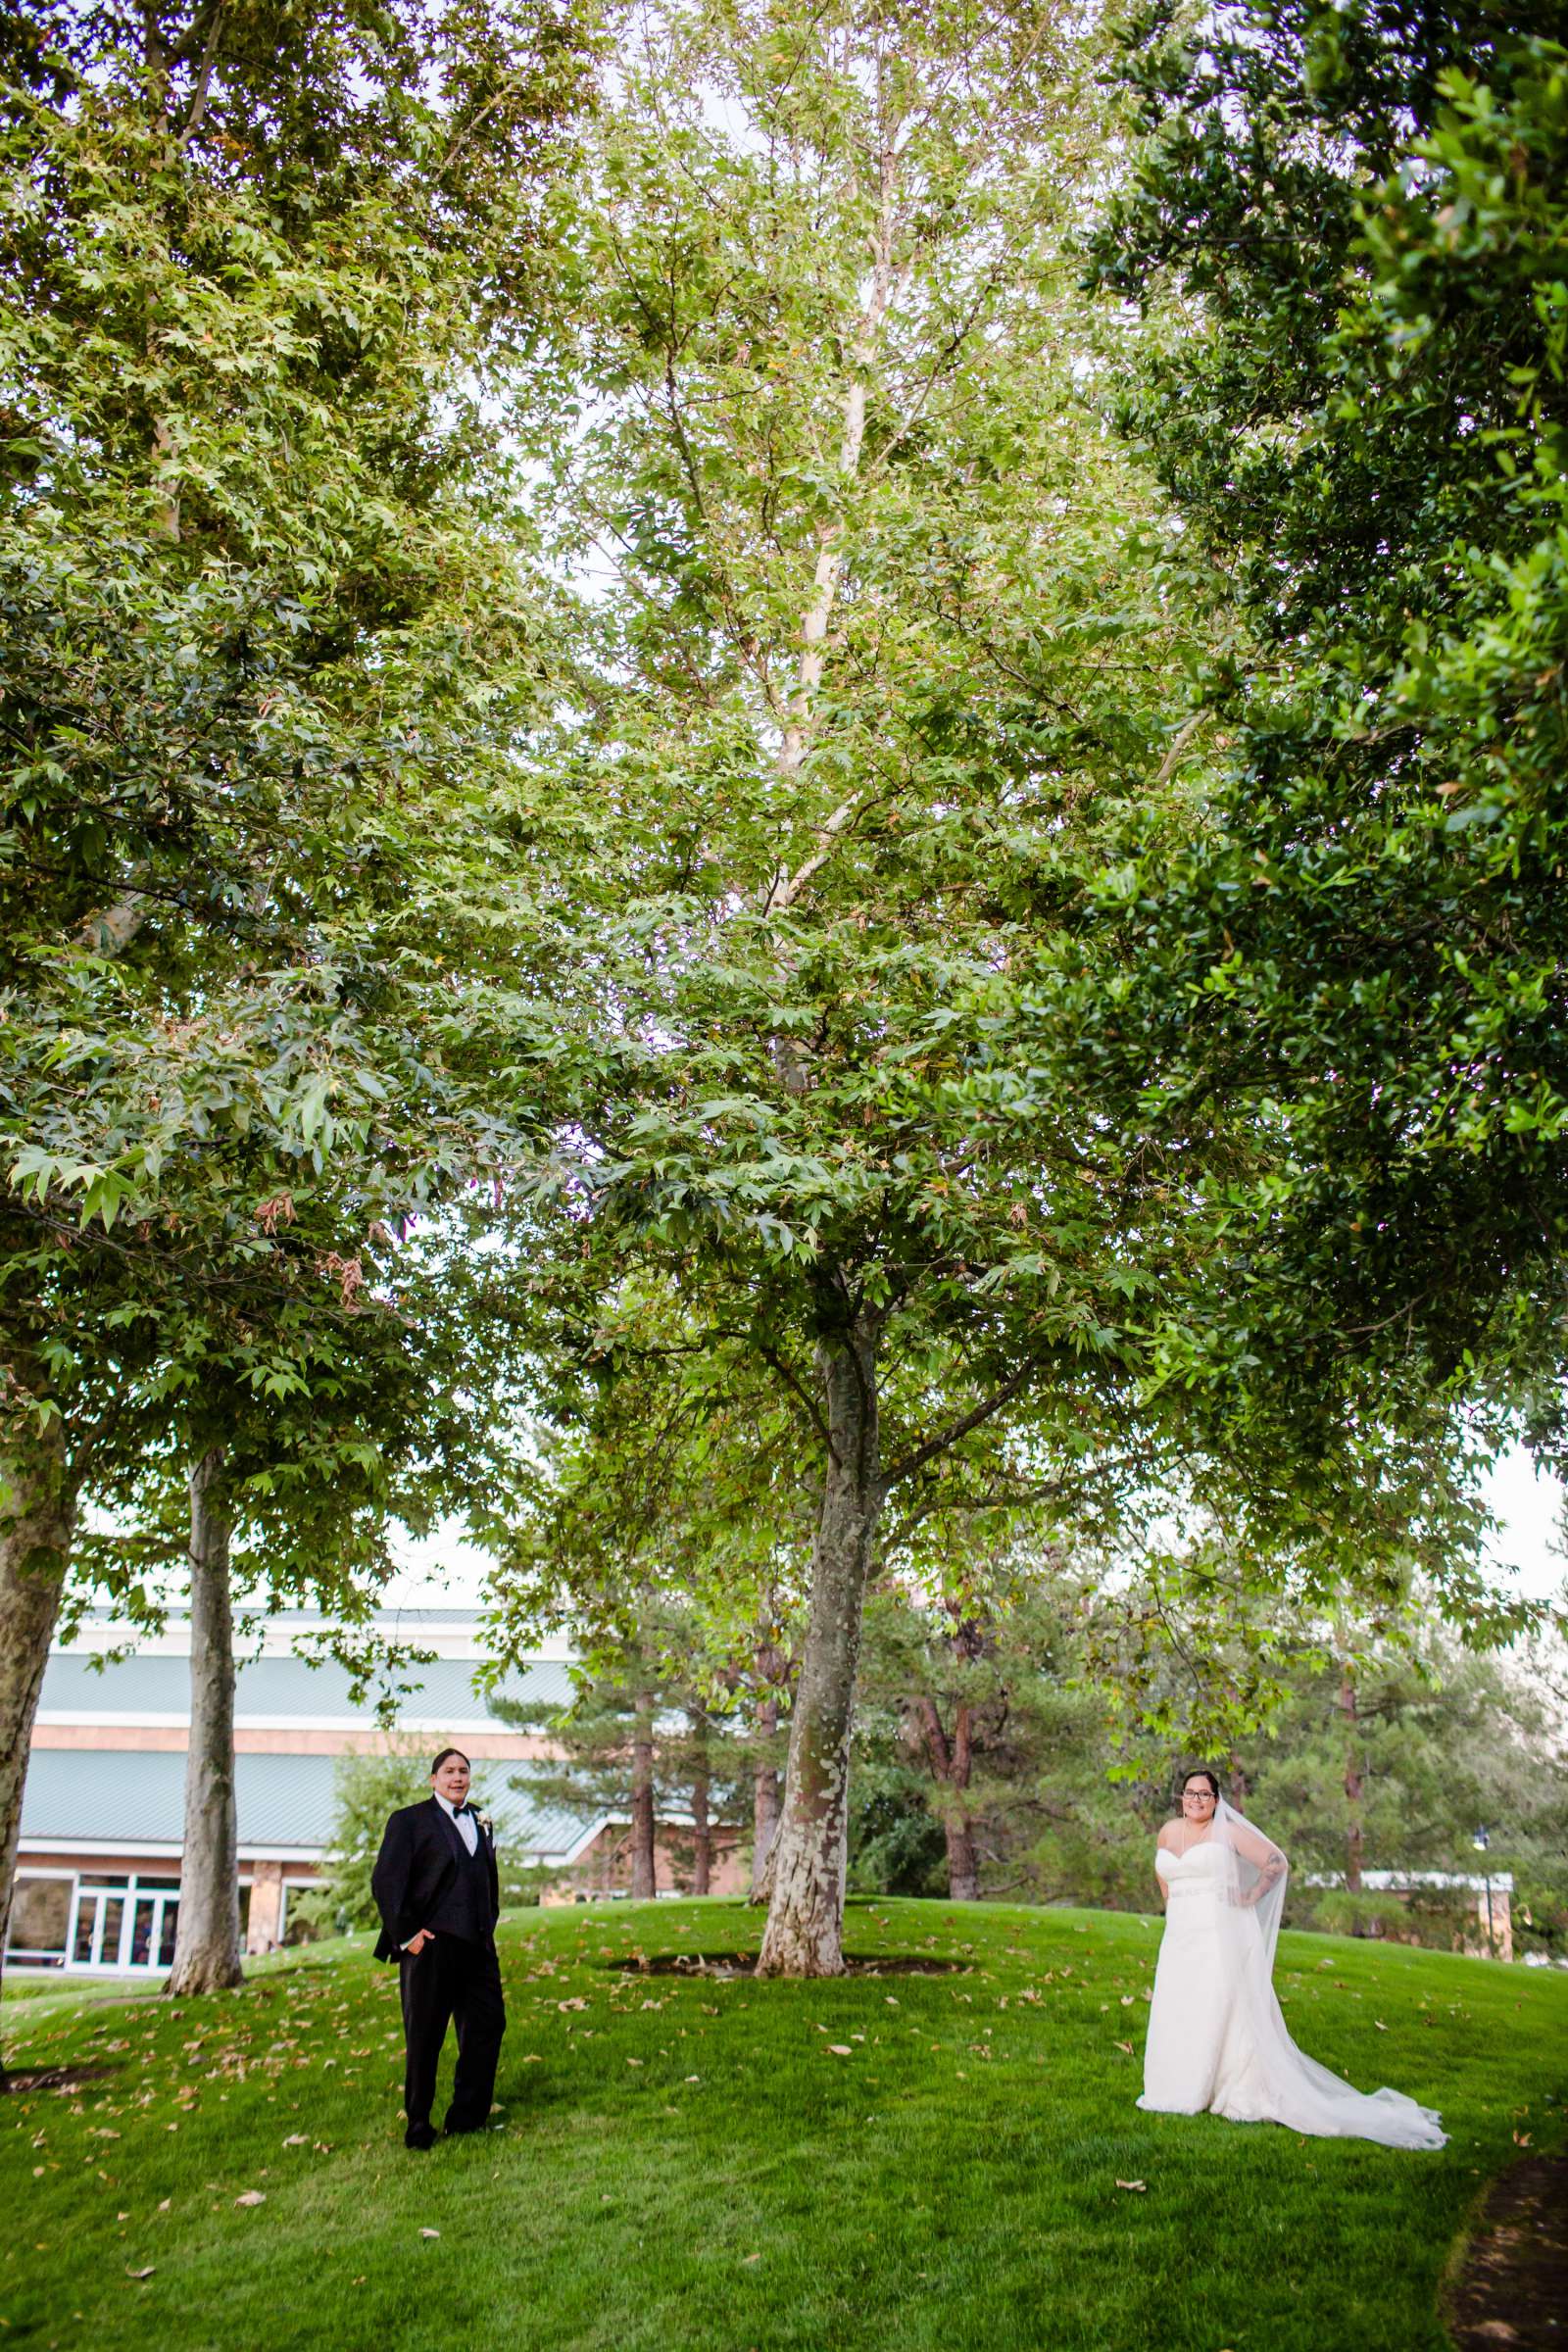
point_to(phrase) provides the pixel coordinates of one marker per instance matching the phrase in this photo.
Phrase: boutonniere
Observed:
(487, 1825)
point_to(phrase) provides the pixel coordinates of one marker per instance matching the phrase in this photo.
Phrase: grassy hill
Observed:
(905, 2161)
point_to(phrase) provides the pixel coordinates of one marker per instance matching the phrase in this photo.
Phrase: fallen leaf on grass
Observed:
(752, 2258)
(1381, 2027)
(429, 2233)
(146, 2274)
(1125, 2046)
(839, 2049)
(1140, 2186)
(251, 2196)
(297, 2140)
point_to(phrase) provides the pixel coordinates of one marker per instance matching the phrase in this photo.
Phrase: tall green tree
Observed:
(885, 633)
(268, 629)
(1347, 228)
(273, 1465)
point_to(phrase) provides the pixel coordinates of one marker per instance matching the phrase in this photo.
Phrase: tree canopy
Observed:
(771, 806)
(1347, 230)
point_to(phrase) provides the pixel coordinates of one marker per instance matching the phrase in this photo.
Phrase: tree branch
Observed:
(1178, 747)
(785, 886)
(771, 1357)
(960, 1429)
(204, 76)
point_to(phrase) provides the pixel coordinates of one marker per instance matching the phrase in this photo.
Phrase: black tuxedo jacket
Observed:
(417, 1866)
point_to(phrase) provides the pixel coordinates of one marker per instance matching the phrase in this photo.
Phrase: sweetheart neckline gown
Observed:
(1217, 2039)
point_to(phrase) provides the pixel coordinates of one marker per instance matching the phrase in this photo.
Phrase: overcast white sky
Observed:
(1531, 1535)
(444, 1572)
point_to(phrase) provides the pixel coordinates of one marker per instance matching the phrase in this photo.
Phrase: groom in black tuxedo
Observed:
(439, 1895)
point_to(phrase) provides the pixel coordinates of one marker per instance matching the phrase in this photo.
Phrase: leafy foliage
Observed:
(1347, 228)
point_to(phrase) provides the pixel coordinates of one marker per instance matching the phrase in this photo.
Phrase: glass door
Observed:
(124, 1927)
(153, 1918)
(99, 1928)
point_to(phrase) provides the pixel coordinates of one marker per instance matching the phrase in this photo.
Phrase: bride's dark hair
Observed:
(1202, 1773)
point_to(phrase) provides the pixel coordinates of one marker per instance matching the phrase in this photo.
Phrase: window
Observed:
(293, 1926)
(40, 1919)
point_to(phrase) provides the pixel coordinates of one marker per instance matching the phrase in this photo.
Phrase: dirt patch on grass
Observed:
(1513, 2286)
(55, 2078)
(744, 1964)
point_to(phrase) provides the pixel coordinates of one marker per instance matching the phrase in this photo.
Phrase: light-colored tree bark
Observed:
(799, 729)
(206, 1946)
(805, 1933)
(37, 1522)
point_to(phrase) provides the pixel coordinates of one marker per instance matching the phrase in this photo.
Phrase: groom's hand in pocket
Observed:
(417, 1943)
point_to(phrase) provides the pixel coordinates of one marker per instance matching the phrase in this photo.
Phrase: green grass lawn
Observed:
(693, 2165)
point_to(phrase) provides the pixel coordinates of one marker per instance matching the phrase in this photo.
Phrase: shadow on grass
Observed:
(54, 2077)
(1513, 2281)
(744, 1964)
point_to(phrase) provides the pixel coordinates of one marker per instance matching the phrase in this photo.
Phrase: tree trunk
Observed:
(644, 1883)
(1353, 1788)
(805, 1933)
(701, 1830)
(207, 1953)
(963, 1865)
(37, 1522)
(952, 1764)
(765, 1804)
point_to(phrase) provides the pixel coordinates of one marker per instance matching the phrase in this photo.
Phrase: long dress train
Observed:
(1217, 2040)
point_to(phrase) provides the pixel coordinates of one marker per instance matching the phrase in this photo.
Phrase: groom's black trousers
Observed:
(452, 1982)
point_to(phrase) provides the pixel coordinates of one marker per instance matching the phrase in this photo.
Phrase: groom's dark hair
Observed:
(442, 1757)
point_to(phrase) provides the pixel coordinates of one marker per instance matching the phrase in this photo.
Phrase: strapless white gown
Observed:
(1217, 2040)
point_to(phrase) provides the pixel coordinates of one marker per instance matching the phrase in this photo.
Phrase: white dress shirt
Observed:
(468, 1830)
(467, 1826)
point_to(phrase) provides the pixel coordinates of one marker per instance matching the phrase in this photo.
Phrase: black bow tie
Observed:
(458, 1811)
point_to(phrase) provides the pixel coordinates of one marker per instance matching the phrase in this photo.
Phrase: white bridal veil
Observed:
(1295, 2090)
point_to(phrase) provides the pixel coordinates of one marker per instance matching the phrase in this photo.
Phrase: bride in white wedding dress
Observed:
(1216, 2037)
